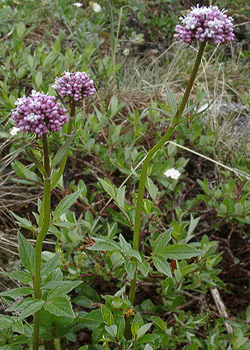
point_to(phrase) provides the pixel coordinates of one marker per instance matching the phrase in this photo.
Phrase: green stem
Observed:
(64, 160)
(40, 238)
(166, 137)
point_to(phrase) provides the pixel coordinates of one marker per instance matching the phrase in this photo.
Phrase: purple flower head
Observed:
(39, 113)
(76, 86)
(205, 23)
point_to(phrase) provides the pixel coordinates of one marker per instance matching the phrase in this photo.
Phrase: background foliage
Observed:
(129, 51)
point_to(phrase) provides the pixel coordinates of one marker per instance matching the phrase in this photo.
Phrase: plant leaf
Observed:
(180, 251)
(27, 253)
(62, 151)
(59, 306)
(65, 204)
(17, 292)
(162, 265)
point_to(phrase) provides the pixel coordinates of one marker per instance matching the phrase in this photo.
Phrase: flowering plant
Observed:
(205, 23)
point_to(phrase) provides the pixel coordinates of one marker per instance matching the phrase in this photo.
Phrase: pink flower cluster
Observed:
(39, 113)
(204, 23)
(76, 85)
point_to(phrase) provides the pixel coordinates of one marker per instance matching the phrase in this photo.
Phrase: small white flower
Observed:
(173, 173)
(14, 131)
(126, 52)
(202, 108)
(77, 4)
(95, 7)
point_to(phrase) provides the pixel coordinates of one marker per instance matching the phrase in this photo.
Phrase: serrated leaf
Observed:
(26, 253)
(59, 306)
(180, 251)
(66, 203)
(162, 265)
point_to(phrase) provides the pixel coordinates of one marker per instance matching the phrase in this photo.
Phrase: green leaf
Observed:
(152, 189)
(35, 160)
(31, 308)
(59, 306)
(27, 253)
(5, 322)
(144, 268)
(20, 30)
(85, 347)
(142, 330)
(17, 292)
(134, 253)
(171, 100)
(38, 79)
(162, 265)
(62, 151)
(94, 316)
(20, 276)
(161, 241)
(112, 330)
(23, 222)
(121, 197)
(130, 267)
(66, 203)
(147, 338)
(105, 245)
(191, 228)
(158, 322)
(60, 287)
(50, 265)
(148, 347)
(107, 315)
(180, 251)
(108, 187)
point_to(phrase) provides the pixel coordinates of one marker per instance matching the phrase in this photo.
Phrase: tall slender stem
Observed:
(41, 236)
(64, 160)
(166, 137)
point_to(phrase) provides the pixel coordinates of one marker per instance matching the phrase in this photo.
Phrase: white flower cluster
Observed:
(14, 131)
(173, 173)
(95, 7)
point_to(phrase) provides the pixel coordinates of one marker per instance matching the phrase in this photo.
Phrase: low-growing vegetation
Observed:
(124, 211)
